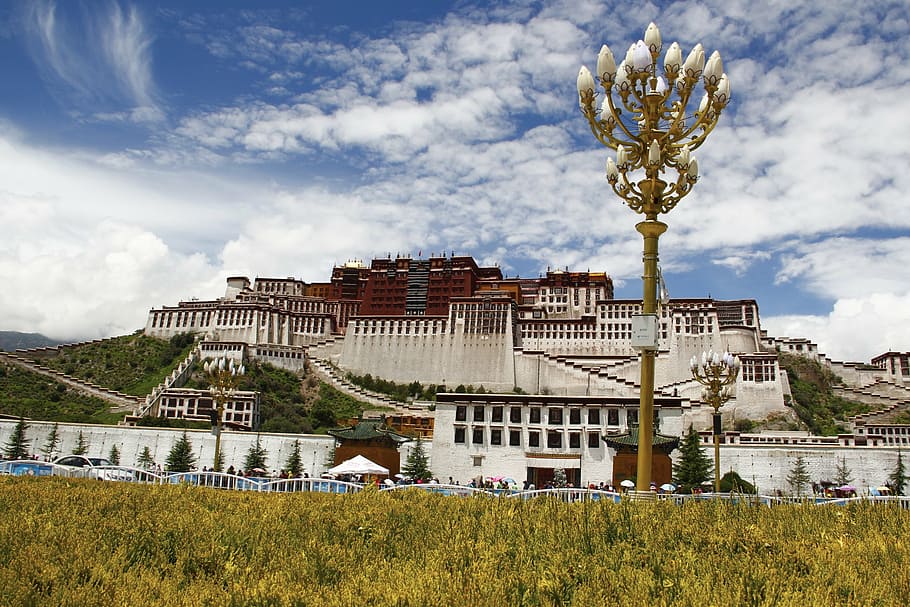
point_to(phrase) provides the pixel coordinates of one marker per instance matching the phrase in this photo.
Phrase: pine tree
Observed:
(114, 455)
(417, 465)
(799, 475)
(256, 456)
(181, 457)
(18, 445)
(898, 478)
(842, 474)
(145, 459)
(694, 466)
(81, 445)
(294, 465)
(52, 443)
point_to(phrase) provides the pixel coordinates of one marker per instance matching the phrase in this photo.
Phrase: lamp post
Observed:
(644, 116)
(223, 376)
(716, 372)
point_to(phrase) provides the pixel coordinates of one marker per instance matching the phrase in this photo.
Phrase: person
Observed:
(230, 469)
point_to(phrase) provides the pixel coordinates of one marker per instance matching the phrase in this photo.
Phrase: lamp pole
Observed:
(716, 372)
(223, 376)
(644, 117)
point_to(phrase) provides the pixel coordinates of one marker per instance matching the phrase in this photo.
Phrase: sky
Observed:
(148, 150)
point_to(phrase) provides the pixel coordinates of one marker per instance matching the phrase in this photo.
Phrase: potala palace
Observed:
(555, 359)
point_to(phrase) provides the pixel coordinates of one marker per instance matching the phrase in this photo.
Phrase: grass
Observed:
(132, 364)
(35, 396)
(813, 399)
(82, 542)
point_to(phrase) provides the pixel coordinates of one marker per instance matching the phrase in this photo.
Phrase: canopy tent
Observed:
(359, 465)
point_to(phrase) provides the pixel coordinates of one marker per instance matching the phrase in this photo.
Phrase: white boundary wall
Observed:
(316, 451)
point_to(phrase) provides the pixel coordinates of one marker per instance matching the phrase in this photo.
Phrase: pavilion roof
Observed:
(368, 430)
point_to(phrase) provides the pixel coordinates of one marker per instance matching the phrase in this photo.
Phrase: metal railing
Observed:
(220, 480)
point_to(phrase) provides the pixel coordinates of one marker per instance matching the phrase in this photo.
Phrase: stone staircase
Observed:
(120, 402)
(331, 375)
(885, 397)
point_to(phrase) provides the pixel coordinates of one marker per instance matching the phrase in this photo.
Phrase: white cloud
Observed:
(464, 134)
(101, 57)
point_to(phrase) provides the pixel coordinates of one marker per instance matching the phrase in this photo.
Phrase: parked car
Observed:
(93, 467)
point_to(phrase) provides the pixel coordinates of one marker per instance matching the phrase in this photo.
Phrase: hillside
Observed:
(813, 399)
(134, 364)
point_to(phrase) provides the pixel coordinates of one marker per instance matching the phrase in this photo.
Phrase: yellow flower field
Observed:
(66, 542)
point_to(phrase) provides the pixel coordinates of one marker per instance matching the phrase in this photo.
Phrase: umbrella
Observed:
(668, 487)
(846, 488)
(359, 465)
(627, 483)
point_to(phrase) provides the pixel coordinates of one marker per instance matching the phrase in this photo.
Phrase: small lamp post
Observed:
(716, 372)
(223, 376)
(646, 116)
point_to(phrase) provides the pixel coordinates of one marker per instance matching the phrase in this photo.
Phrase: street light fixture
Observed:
(644, 116)
(223, 376)
(716, 372)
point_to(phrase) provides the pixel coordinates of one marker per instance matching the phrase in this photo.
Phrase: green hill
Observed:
(135, 364)
(814, 401)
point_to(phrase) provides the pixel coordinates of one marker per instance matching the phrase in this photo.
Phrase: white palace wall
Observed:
(316, 451)
(767, 467)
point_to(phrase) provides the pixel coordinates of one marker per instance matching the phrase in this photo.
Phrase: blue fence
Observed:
(219, 480)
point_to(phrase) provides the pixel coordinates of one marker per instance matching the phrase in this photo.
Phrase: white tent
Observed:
(359, 465)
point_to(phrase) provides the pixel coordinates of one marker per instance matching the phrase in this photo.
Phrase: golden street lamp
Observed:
(223, 376)
(716, 372)
(644, 116)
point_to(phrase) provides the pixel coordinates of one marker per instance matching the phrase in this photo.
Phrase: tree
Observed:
(255, 457)
(842, 474)
(799, 475)
(18, 446)
(114, 455)
(81, 445)
(417, 465)
(694, 466)
(145, 459)
(731, 482)
(181, 457)
(52, 443)
(898, 478)
(294, 466)
(559, 478)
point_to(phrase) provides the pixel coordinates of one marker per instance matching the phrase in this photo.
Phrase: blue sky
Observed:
(148, 150)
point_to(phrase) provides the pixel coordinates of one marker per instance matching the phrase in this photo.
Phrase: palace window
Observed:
(612, 417)
(461, 413)
(459, 435)
(593, 440)
(554, 416)
(477, 436)
(478, 413)
(593, 416)
(514, 438)
(534, 439)
(495, 436)
(497, 415)
(574, 440)
(515, 415)
(534, 416)
(554, 440)
(574, 416)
